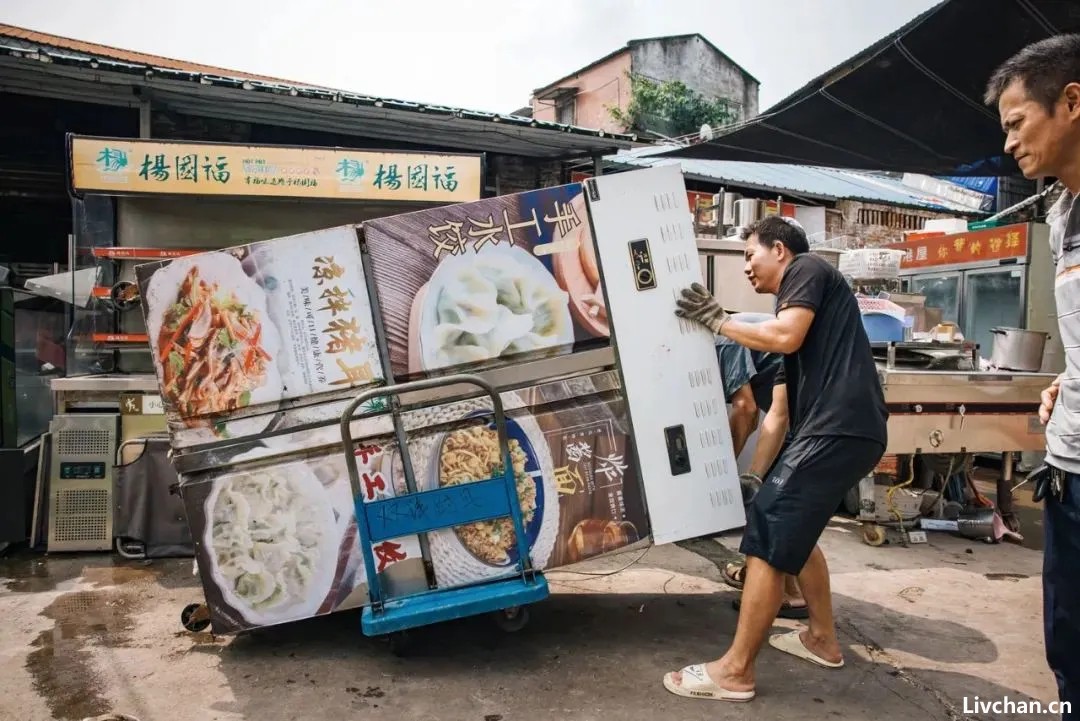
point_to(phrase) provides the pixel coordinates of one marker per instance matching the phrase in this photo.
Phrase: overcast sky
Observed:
(475, 54)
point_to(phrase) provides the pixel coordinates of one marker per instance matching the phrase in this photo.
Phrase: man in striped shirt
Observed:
(1037, 94)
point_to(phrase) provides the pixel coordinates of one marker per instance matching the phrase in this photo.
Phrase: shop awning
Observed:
(912, 102)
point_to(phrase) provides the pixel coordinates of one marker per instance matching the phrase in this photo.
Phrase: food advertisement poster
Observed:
(499, 280)
(280, 544)
(256, 325)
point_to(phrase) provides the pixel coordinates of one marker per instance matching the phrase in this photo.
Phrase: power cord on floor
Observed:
(606, 573)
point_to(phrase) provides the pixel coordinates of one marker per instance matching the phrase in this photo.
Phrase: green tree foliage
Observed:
(671, 108)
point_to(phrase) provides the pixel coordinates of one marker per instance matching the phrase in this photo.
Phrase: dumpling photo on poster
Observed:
(496, 281)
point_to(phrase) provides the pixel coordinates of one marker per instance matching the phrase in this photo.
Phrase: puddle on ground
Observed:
(41, 574)
(61, 664)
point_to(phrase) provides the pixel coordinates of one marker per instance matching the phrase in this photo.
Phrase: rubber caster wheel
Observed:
(873, 534)
(195, 617)
(401, 643)
(512, 620)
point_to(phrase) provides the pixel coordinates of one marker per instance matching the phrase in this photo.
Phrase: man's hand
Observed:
(1049, 398)
(750, 484)
(698, 304)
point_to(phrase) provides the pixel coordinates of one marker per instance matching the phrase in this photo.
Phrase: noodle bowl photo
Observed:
(212, 338)
(471, 455)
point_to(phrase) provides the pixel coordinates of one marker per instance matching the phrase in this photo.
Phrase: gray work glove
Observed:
(698, 304)
(750, 484)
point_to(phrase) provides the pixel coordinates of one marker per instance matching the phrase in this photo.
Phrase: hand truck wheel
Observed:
(512, 620)
(195, 617)
(401, 643)
(873, 534)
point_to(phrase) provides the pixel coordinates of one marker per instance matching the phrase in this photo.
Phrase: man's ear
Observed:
(1072, 100)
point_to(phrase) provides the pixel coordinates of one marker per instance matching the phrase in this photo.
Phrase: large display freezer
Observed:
(562, 298)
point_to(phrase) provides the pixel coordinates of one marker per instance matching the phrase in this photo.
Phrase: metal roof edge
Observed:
(649, 157)
(41, 53)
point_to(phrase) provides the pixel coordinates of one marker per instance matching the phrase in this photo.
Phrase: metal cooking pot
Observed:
(1017, 349)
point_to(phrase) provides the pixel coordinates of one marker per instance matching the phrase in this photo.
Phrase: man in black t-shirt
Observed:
(836, 435)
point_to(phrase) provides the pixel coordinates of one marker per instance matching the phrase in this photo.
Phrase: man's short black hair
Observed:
(774, 229)
(1045, 68)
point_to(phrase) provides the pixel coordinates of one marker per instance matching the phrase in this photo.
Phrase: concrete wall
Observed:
(601, 86)
(695, 63)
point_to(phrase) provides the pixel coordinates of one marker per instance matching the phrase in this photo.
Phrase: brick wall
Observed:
(515, 174)
(870, 225)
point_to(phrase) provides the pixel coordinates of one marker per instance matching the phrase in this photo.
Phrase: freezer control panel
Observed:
(641, 261)
(81, 470)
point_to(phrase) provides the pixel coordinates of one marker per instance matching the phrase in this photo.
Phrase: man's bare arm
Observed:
(783, 335)
(771, 436)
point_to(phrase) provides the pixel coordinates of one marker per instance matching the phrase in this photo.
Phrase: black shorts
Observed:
(802, 492)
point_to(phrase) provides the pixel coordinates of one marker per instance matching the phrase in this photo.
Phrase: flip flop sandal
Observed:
(697, 684)
(797, 613)
(734, 575)
(791, 643)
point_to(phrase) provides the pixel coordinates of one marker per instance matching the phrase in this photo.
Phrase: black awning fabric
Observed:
(912, 102)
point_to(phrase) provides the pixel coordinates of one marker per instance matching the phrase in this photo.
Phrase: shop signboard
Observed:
(126, 166)
(497, 281)
(976, 246)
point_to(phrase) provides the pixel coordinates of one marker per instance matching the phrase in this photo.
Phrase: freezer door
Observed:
(942, 291)
(648, 254)
(992, 298)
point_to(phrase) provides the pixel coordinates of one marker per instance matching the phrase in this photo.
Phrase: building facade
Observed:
(588, 95)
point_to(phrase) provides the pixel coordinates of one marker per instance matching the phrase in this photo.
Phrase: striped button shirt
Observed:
(1063, 431)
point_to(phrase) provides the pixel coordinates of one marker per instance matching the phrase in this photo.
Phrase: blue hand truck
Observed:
(420, 512)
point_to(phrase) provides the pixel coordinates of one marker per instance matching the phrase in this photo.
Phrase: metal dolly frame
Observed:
(420, 512)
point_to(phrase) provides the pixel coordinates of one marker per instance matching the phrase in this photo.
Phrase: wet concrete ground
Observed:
(922, 628)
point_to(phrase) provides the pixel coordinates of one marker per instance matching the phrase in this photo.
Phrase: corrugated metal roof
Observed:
(130, 56)
(211, 91)
(813, 183)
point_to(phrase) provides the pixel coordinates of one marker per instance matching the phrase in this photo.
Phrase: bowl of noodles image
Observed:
(212, 338)
(472, 454)
(272, 538)
(480, 306)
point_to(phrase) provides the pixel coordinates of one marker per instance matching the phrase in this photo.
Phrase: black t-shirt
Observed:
(832, 381)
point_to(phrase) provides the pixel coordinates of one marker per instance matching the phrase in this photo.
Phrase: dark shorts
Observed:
(801, 493)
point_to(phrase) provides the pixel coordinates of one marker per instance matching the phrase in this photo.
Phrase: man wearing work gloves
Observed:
(837, 434)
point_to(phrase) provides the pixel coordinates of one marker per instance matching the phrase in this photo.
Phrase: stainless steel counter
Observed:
(99, 392)
(963, 411)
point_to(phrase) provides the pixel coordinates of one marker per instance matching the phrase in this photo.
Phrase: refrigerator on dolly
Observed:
(562, 299)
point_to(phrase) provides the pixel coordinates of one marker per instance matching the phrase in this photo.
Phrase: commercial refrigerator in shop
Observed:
(985, 279)
(561, 298)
